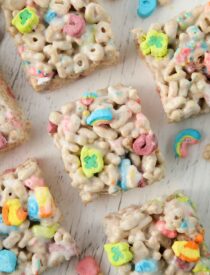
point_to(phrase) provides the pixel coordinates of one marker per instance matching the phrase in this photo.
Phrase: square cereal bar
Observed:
(60, 41)
(31, 238)
(177, 52)
(162, 237)
(14, 128)
(106, 142)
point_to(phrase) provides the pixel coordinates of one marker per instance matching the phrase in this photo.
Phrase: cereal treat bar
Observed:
(162, 237)
(14, 128)
(178, 54)
(31, 238)
(106, 142)
(60, 41)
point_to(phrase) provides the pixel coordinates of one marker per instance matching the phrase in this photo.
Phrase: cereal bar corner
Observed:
(177, 52)
(59, 42)
(31, 238)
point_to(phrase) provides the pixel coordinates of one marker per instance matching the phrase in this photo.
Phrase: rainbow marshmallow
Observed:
(88, 98)
(100, 117)
(183, 139)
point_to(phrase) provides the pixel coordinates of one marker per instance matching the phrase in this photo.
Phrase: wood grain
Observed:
(85, 223)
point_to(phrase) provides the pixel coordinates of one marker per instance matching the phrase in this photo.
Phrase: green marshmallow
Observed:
(92, 161)
(46, 232)
(118, 253)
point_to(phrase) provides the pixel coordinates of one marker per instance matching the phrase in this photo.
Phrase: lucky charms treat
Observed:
(14, 128)
(59, 41)
(177, 52)
(147, 7)
(31, 238)
(106, 142)
(163, 236)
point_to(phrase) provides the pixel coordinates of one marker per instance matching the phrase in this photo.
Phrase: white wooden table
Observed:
(85, 223)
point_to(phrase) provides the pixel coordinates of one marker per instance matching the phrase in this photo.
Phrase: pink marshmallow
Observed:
(88, 266)
(34, 182)
(87, 101)
(161, 226)
(75, 26)
(52, 128)
(145, 144)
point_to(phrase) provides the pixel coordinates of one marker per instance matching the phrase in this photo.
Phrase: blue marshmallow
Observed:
(124, 165)
(184, 224)
(33, 209)
(8, 261)
(147, 265)
(50, 16)
(146, 7)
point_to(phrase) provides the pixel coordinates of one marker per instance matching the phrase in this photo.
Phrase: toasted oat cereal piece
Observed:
(178, 54)
(14, 128)
(206, 152)
(106, 142)
(163, 236)
(163, 2)
(31, 238)
(60, 41)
